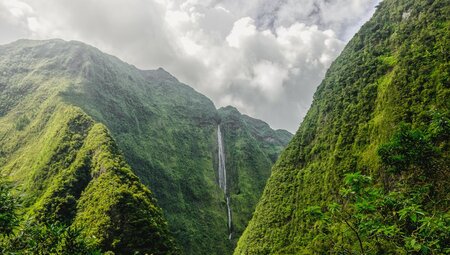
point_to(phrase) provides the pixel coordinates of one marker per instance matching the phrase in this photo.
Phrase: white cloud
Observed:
(13, 20)
(266, 57)
(269, 78)
(242, 29)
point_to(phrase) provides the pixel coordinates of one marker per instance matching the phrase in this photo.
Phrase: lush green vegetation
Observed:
(37, 238)
(54, 94)
(34, 238)
(8, 209)
(72, 174)
(369, 220)
(400, 215)
(252, 147)
(383, 111)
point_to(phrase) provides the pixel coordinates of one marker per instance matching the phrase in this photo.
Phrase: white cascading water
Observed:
(223, 177)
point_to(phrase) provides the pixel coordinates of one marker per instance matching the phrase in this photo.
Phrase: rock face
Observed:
(158, 134)
(393, 74)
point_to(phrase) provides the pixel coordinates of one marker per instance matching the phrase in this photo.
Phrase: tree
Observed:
(366, 219)
(8, 209)
(33, 237)
(41, 239)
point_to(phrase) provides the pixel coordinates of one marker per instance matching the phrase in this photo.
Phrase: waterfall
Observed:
(229, 216)
(223, 177)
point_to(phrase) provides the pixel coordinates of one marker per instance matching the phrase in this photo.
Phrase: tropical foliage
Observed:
(382, 110)
(402, 215)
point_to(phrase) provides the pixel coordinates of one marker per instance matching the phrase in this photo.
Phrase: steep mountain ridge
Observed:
(71, 171)
(382, 110)
(166, 131)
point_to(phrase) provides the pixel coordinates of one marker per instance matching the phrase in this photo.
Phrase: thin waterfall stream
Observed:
(223, 177)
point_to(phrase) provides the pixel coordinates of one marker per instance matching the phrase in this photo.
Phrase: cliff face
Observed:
(381, 111)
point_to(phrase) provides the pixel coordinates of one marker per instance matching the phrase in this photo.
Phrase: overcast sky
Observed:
(265, 57)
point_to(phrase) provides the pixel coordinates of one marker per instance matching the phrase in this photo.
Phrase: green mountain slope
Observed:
(383, 110)
(166, 131)
(71, 171)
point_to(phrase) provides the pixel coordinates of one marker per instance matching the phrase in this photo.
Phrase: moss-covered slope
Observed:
(71, 171)
(393, 73)
(166, 131)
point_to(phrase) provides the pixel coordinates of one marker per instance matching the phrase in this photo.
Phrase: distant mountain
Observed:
(85, 135)
(368, 171)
